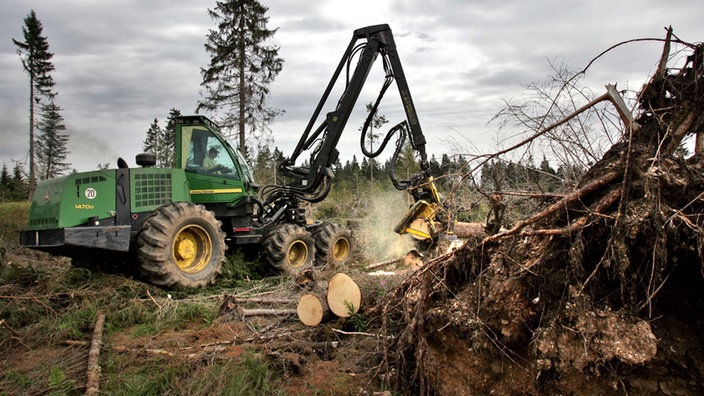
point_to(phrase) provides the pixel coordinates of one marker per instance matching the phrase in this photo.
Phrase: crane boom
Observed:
(311, 182)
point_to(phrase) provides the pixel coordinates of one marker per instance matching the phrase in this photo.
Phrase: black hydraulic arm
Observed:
(311, 183)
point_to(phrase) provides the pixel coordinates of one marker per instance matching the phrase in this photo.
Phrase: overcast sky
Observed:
(122, 63)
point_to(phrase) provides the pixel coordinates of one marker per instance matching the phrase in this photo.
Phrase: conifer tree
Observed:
(241, 68)
(36, 61)
(52, 142)
(407, 163)
(154, 140)
(376, 121)
(19, 186)
(5, 183)
(169, 137)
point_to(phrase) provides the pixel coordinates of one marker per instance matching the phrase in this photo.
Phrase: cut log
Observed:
(346, 294)
(312, 310)
(344, 297)
(413, 259)
(468, 230)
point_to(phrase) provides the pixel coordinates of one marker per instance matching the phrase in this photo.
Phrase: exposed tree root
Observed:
(580, 296)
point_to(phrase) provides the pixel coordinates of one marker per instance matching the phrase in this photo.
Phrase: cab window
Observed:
(207, 155)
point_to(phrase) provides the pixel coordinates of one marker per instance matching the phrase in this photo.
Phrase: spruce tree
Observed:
(169, 138)
(374, 121)
(153, 141)
(407, 164)
(19, 186)
(241, 68)
(52, 142)
(5, 183)
(36, 60)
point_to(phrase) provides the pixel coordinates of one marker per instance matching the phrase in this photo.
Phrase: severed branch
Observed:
(603, 204)
(562, 204)
(267, 312)
(611, 95)
(681, 131)
(93, 382)
(13, 333)
(360, 333)
(384, 263)
(263, 300)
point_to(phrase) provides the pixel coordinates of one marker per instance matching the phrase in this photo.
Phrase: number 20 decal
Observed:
(91, 193)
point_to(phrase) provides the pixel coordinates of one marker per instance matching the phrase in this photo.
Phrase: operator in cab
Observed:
(209, 164)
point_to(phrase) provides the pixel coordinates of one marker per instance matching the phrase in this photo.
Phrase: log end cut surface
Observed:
(310, 310)
(344, 296)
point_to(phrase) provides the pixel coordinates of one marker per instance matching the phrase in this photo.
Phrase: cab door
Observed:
(224, 185)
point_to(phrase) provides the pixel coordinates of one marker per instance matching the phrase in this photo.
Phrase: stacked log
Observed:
(345, 295)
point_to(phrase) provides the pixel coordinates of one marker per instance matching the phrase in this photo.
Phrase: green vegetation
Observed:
(355, 320)
(13, 217)
(250, 375)
(13, 187)
(46, 301)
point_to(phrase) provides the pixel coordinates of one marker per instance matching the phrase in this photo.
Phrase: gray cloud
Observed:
(123, 63)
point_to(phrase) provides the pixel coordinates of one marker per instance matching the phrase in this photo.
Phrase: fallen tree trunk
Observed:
(412, 259)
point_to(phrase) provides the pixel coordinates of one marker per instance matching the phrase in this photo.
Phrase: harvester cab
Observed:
(216, 172)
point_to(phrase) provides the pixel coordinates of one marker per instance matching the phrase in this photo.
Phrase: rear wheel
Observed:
(181, 244)
(333, 243)
(288, 248)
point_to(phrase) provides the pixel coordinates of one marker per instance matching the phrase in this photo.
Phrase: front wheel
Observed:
(288, 248)
(181, 244)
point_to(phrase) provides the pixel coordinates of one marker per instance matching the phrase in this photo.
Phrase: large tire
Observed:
(333, 243)
(288, 248)
(181, 244)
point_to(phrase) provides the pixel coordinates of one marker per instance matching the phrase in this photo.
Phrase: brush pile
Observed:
(601, 291)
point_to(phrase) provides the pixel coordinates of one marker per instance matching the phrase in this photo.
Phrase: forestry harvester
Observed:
(175, 224)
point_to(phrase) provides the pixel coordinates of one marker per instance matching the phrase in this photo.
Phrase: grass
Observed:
(251, 375)
(14, 216)
(46, 301)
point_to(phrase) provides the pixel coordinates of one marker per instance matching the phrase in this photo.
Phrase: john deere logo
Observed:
(46, 196)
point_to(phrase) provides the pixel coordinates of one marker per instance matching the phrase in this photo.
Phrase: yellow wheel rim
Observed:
(297, 254)
(341, 249)
(192, 249)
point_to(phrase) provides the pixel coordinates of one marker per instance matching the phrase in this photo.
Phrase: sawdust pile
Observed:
(602, 291)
